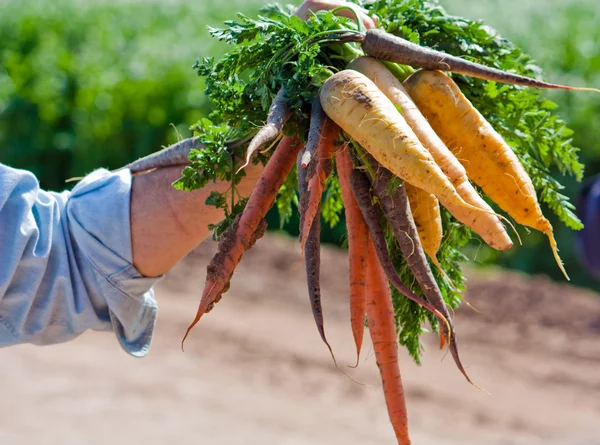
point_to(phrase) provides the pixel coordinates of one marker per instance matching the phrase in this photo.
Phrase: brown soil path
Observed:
(255, 370)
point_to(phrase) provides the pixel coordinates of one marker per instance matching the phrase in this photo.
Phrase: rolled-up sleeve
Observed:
(66, 263)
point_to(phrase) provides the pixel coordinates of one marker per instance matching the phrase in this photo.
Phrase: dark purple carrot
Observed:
(317, 123)
(385, 46)
(396, 208)
(312, 254)
(360, 186)
(279, 113)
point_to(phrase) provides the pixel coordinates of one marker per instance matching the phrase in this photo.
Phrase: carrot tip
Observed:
(357, 361)
(472, 307)
(442, 340)
(554, 247)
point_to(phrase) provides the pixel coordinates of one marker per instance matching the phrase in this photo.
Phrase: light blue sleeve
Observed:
(66, 263)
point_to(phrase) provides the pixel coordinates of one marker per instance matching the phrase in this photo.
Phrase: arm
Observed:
(167, 224)
(65, 263)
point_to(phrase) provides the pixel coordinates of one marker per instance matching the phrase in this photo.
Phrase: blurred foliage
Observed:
(87, 84)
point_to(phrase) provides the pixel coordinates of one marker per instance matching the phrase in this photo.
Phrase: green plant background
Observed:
(87, 84)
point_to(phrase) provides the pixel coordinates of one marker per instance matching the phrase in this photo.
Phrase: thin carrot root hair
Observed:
(441, 270)
(550, 234)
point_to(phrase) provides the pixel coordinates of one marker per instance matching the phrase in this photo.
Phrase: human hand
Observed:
(305, 8)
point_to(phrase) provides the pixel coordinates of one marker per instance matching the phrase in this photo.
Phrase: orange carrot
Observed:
(382, 328)
(242, 235)
(358, 239)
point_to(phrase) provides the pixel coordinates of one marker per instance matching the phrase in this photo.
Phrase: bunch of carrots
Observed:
(400, 148)
(423, 132)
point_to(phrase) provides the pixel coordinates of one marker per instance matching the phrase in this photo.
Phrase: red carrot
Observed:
(243, 233)
(358, 241)
(382, 327)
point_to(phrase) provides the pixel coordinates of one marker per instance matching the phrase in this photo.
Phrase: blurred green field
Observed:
(89, 84)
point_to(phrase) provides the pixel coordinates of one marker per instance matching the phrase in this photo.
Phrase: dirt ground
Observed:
(256, 372)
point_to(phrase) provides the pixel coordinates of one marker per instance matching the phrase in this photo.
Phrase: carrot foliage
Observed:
(276, 50)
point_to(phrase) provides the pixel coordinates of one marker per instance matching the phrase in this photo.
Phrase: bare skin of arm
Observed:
(167, 224)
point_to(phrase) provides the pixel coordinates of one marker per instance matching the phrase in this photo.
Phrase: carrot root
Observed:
(385, 46)
(382, 329)
(312, 254)
(360, 186)
(279, 114)
(358, 241)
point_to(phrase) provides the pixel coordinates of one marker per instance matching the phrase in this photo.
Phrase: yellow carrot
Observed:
(355, 103)
(487, 225)
(488, 159)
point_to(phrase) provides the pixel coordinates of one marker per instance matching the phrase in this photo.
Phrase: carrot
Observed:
(358, 241)
(243, 233)
(317, 123)
(487, 224)
(312, 254)
(382, 328)
(279, 114)
(317, 173)
(425, 210)
(360, 187)
(488, 159)
(382, 45)
(397, 211)
(356, 104)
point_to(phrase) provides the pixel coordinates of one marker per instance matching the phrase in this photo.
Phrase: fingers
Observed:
(367, 22)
